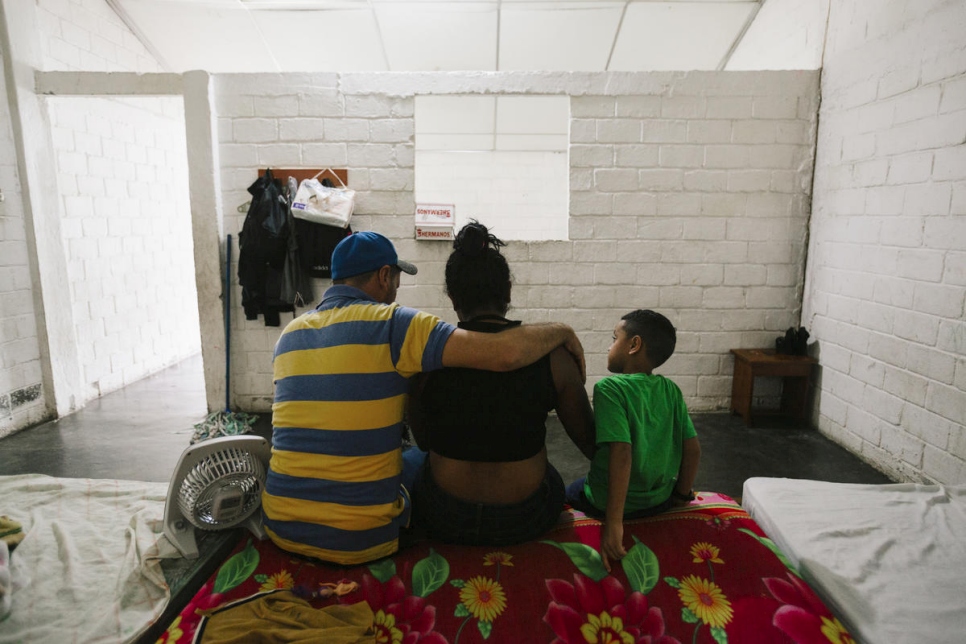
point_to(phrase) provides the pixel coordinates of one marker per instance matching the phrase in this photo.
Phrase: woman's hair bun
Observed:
(474, 238)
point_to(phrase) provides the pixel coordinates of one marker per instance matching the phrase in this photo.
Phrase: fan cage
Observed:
(212, 476)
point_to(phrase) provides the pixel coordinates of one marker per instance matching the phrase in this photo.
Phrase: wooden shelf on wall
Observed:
(300, 174)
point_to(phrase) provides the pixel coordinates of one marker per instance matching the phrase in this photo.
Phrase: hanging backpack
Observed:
(316, 242)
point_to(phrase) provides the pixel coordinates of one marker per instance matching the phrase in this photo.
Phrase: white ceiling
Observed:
(438, 35)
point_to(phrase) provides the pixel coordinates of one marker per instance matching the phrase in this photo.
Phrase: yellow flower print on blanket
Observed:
(704, 551)
(173, 634)
(705, 600)
(482, 597)
(498, 559)
(282, 580)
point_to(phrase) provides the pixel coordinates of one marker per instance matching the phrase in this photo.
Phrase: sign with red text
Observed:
(435, 214)
(440, 233)
(435, 221)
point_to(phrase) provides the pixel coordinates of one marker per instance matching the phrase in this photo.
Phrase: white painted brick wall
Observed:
(122, 170)
(87, 35)
(675, 179)
(22, 397)
(885, 293)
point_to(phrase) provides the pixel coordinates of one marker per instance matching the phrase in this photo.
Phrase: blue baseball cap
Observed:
(363, 252)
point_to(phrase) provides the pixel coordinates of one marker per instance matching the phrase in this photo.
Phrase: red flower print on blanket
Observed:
(597, 608)
(804, 617)
(599, 612)
(399, 618)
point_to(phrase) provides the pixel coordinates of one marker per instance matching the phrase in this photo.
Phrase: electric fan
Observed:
(217, 485)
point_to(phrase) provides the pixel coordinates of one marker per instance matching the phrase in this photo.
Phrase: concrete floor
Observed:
(139, 432)
(135, 433)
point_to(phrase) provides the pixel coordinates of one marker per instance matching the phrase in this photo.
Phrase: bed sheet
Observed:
(700, 574)
(890, 559)
(88, 568)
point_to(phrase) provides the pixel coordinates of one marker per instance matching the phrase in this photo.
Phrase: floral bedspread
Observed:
(704, 573)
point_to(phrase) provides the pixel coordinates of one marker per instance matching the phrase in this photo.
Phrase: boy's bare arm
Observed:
(573, 407)
(511, 349)
(690, 459)
(618, 478)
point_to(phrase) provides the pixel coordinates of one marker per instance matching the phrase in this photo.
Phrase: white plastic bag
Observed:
(323, 205)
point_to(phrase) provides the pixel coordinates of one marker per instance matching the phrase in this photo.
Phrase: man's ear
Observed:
(385, 276)
(636, 345)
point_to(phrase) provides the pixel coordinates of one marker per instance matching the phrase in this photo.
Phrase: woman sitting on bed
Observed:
(487, 480)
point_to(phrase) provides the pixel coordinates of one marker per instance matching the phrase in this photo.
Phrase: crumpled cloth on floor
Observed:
(281, 617)
(89, 567)
(6, 583)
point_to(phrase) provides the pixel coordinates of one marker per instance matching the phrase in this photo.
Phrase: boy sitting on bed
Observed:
(649, 450)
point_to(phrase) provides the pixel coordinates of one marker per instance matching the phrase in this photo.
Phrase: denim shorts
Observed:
(451, 520)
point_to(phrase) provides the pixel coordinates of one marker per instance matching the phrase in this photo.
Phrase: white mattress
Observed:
(889, 560)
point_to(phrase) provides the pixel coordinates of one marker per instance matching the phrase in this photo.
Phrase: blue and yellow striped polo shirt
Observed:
(341, 381)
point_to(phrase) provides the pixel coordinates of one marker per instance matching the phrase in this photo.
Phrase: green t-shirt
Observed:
(647, 411)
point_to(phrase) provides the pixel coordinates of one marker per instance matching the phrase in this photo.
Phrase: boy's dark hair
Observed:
(655, 330)
(477, 274)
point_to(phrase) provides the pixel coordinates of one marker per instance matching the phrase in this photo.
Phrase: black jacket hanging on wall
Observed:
(264, 246)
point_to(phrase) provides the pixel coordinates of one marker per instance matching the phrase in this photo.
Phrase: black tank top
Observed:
(486, 416)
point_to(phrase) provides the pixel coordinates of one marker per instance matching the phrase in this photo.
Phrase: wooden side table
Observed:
(795, 372)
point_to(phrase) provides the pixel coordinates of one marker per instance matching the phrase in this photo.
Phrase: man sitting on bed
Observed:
(338, 482)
